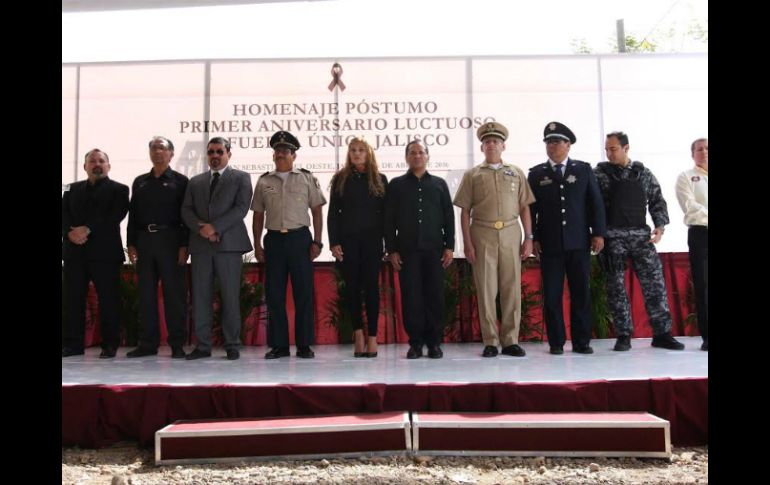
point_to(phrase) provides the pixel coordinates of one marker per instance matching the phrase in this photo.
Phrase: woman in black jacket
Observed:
(356, 230)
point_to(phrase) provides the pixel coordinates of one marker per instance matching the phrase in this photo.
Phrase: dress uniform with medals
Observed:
(568, 212)
(284, 198)
(495, 197)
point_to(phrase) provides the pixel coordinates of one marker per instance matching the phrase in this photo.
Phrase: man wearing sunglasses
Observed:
(568, 223)
(214, 206)
(282, 198)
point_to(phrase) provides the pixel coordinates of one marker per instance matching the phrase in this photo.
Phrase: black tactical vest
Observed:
(628, 202)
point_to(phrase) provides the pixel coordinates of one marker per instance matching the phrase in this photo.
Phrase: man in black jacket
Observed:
(92, 250)
(157, 242)
(420, 239)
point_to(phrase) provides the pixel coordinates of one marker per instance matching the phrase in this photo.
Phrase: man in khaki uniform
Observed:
(495, 194)
(281, 202)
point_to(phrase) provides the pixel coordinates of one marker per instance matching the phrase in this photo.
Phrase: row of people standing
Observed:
(413, 214)
(170, 219)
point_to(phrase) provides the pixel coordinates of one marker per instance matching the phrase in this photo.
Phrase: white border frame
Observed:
(166, 433)
(469, 423)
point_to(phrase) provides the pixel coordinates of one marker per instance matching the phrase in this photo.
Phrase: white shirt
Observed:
(692, 192)
(220, 172)
(283, 175)
(562, 164)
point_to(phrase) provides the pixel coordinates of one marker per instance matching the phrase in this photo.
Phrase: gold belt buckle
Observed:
(284, 231)
(499, 225)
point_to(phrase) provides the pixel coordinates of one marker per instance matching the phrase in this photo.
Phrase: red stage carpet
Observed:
(97, 415)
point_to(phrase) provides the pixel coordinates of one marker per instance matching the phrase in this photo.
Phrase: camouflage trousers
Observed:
(646, 264)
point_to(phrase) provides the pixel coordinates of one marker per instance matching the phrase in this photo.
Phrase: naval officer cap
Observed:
(493, 128)
(554, 129)
(284, 138)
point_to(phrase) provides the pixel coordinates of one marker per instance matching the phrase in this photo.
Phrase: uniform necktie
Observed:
(214, 182)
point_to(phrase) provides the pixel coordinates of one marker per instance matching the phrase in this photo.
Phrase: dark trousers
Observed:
(106, 278)
(361, 261)
(645, 262)
(157, 259)
(422, 296)
(698, 242)
(287, 255)
(577, 267)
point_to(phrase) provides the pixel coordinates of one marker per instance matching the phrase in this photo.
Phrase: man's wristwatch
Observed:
(319, 244)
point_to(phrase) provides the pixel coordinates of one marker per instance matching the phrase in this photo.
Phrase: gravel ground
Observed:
(125, 464)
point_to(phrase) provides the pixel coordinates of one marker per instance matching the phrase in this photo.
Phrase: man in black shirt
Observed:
(420, 239)
(157, 243)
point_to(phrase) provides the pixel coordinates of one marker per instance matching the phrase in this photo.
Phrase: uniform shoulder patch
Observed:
(305, 170)
(265, 173)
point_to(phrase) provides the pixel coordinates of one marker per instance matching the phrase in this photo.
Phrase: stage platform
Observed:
(334, 364)
(104, 401)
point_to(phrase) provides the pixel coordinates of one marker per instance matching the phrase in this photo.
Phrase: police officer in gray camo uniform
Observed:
(628, 189)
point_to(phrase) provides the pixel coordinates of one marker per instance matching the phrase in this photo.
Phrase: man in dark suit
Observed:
(157, 242)
(92, 250)
(569, 222)
(214, 206)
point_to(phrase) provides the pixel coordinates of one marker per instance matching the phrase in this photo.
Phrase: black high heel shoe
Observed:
(370, 354)
(358, 354)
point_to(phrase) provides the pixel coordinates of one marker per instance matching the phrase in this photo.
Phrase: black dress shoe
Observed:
(233, 354)
(197, 354)
(370, 354)
(435, 352)
(623, 343)
(557, 350)
(666, 341)
(278, 352)
(582, 349)
(489, 351)
(360, 354)
(705, 345)
(177, 353)
(514, 350)
(68, 352)
(108, 353)
(305, 352)
(414, 352)
(141, 352)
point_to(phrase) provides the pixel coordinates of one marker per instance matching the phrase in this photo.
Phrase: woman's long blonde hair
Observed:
(376, 187)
